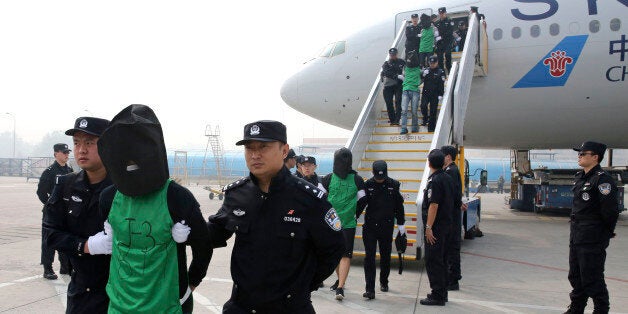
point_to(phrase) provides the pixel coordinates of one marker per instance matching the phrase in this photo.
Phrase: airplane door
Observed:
(400, 17)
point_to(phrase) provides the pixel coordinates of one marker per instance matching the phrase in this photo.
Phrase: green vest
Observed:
(343, 196)
(412, 79)
(427, 40)
(144, 275)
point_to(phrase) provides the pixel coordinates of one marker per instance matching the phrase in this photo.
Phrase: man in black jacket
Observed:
(593, 219)
(433, 90)
(384, 205)
(44, 190)
(413, 35)
(288, 237)
(446, 31)
(392, 78)
(73, 223)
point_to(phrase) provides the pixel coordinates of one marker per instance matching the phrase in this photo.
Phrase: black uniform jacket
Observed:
(392, 68)
(454, 172)
(446, 31)
(182, 206)
(433, 82)
(595, 207)
(384, 202)
(287, 240)
(412, 37)
(439, 190)
(71, 216)
(47, 180)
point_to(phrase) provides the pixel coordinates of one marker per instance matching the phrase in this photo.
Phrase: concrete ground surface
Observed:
(519, 266)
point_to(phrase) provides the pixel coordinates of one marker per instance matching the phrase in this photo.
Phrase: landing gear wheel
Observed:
(220, 196)
(211, 195)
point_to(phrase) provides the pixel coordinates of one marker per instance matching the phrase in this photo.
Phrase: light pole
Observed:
(13, 116)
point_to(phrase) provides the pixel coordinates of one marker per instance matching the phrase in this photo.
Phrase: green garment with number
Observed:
(144, 275)
(343, 196)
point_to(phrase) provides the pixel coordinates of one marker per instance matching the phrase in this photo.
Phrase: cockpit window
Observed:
(339, 49)
(333, 49)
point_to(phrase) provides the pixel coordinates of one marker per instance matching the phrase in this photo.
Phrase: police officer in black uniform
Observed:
(437, 209)
(44, 189)
(593, 218)
(413, 34)
(392, 77)
(73, 223)
(291, 160)
(433, 90)
(461, 35)
(384, 205)
(288, 237)
(453, 248)
(443, 47)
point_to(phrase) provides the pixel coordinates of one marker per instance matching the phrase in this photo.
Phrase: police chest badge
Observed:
(238, 212)
(605, 188)
(332, 219)
(586, 196)
(429, 193)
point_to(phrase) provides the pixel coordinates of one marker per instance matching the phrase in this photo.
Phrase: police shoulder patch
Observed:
(605, 188)
(236, 184)
(310, 189)
(332, 220)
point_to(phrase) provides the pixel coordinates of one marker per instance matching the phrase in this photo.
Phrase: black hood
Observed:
(342, 162)
(133, 151)
(412, 59)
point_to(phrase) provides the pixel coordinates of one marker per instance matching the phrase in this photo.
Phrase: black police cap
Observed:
(474, 9)
(89, 125)
(433, 59)
(442, 10)
(308, 159)
(597, 148)
(61, 147)
(461, 23)
(414, 15)
(380, 169)
(264, 131)
(392, 51)
(291, 154)
(299, 159)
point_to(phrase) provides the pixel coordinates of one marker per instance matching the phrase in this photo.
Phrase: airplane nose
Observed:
(290, 91)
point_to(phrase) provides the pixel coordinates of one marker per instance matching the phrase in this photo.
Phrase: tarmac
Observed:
(519, 266)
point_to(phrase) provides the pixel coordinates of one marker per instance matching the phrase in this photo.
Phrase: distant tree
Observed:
(44, 147)
(22, 149)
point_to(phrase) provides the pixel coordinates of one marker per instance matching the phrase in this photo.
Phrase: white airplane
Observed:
(557, 73)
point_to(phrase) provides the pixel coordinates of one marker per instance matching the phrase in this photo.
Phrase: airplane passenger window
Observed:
(594, 26)
(497, 34)
(516, 32)
(327, 50)
(554, 29)
(535, 31)
(339, 49)
(615, 24)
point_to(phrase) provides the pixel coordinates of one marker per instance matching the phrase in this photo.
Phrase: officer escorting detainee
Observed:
(288, 237)
(44, 189)
(593, 218)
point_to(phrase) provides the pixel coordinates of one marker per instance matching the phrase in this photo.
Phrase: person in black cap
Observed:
(443, 47)
(453, 248)
(46, 183)
(384, 204)
(433, 90)
(413, 35)
(288, 237)
(593, 219)
(73, 223)
(392, 77)
(437, 209)
(308, 170)
(290, 161)
(461, 35)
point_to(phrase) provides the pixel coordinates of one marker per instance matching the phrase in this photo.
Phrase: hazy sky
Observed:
(193, 62)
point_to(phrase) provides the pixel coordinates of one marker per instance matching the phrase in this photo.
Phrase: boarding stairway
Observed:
(373, 138)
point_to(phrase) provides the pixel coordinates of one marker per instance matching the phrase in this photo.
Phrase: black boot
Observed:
(454, 286)
(430, 301)
(49, 273)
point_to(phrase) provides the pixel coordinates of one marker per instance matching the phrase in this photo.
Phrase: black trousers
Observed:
(394, 109)
(373, 235)
(453, 252)
(233, 307)
(586, 275)
(94, 302)
(48, 256)
(444, 57)
(430, 99)
(435, 262)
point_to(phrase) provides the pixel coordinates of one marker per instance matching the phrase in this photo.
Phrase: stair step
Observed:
(396, 129)
(396, 137)
(395, 163)
(399, 146)
(382, 154)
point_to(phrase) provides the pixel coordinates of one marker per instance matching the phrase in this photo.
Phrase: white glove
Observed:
(180, 232)
(418, 35)
(459, 39)
(440, 98)
(426, 72)
(100, 243)
(400, 77)
(108, 230)
(438, 38)
(402, 229)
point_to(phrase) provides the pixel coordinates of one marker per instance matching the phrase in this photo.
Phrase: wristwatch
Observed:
(428, 227)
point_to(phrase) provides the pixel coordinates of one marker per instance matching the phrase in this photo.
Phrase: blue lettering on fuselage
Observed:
(552, 8)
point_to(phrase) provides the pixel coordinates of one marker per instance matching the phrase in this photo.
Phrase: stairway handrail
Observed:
(465, 76)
